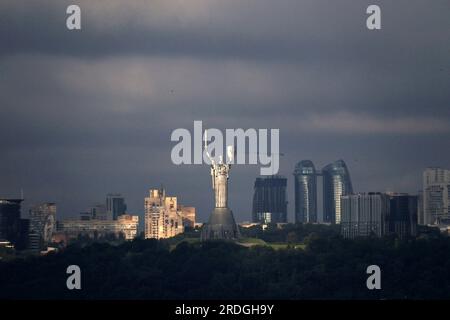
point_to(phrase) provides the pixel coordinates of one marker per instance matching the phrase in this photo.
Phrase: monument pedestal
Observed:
(221, 225)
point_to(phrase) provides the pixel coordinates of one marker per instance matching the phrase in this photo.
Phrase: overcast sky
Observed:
(88, 112)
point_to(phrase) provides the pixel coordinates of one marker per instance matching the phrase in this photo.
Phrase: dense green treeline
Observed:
(328, 268)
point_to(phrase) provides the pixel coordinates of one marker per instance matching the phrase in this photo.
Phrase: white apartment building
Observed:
(436, 196)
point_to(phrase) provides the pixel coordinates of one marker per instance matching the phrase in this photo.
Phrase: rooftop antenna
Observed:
(21, 193)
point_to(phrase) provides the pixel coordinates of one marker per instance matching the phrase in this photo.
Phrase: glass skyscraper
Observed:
(115, 206)
(436, 196)
(269, 200)
(305, 177)
(336, 182)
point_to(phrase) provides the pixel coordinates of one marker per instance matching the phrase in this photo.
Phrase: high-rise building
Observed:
(115, 205)
(378, 214)
(125, 226)
(305, 176)
(162, 217)
(42, 225)
(187, 215)
(364, 214)
(436, 196)
(269, 199)
(403, 214)
(10, 221)
(336, 183)
(420, 212)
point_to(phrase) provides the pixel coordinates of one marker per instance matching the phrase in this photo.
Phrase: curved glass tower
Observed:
(305, 176)
(336, 182)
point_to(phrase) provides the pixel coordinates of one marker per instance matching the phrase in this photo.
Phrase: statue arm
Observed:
(205, 135)
(230, 154)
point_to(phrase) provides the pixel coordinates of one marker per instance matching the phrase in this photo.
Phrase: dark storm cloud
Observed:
(85, 113)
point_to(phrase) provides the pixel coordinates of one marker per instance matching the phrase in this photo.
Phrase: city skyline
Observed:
(357, 213)
(89, 209)
(91, 112)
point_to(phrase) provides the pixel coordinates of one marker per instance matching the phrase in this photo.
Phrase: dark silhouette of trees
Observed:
(329, 267)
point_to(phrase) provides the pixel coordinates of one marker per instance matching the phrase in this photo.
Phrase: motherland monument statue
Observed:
(221, 223)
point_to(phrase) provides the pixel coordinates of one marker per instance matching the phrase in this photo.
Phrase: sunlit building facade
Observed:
(162, 217)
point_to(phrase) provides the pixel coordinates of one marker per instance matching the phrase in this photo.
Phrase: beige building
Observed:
(164, 218)
(187, 215)
(126, 225)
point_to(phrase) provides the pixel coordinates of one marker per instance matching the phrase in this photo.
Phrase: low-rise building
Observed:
(125, 226)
